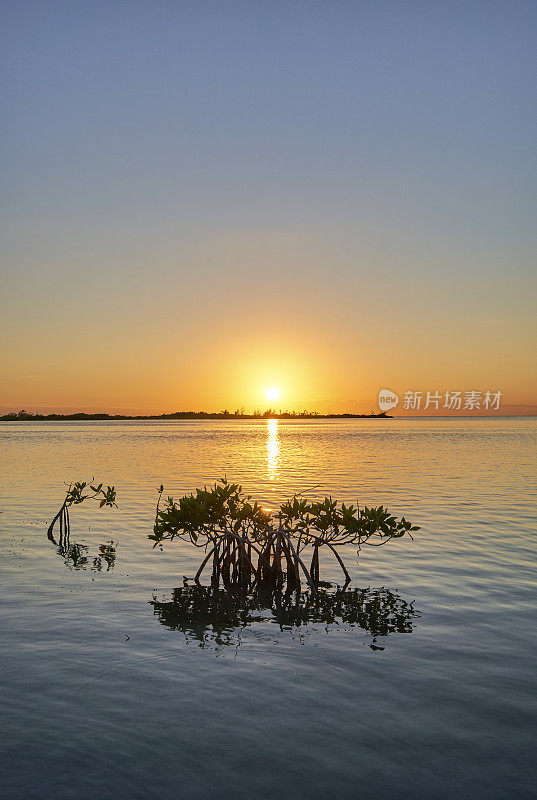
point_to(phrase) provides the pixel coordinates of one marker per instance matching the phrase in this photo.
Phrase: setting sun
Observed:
(272, 394)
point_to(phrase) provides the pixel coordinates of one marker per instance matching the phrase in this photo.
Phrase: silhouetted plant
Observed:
(252, 548)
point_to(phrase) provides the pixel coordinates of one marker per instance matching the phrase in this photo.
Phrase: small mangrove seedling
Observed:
(74, 496)
(252, 548)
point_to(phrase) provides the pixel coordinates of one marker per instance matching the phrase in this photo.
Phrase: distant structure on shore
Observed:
(270, 413)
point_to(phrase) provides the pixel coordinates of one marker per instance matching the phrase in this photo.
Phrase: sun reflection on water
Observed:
(273, 449)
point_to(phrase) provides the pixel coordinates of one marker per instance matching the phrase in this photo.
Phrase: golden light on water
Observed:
(272, 394)
(273, 449)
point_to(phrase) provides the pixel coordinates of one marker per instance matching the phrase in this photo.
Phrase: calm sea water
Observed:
(443, 705)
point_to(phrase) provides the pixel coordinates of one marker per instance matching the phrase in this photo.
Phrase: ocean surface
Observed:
(430, 691)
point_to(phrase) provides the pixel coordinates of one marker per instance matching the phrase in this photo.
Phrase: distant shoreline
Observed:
(190, 415)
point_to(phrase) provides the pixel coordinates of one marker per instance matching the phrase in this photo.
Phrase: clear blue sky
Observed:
(360, 174)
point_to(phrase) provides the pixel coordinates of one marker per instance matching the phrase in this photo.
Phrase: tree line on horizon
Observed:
(239, 413)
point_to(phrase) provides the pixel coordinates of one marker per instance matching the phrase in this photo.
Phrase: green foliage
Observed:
(208, 511)
(224, 507)
(74, 494)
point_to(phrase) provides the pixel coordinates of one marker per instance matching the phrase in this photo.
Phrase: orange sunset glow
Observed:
(264, 254)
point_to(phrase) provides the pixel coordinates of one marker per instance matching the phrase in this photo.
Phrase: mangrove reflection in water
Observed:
(215, 616)
(76, 555)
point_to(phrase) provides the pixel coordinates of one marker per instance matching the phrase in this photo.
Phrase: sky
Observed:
(202, 200)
